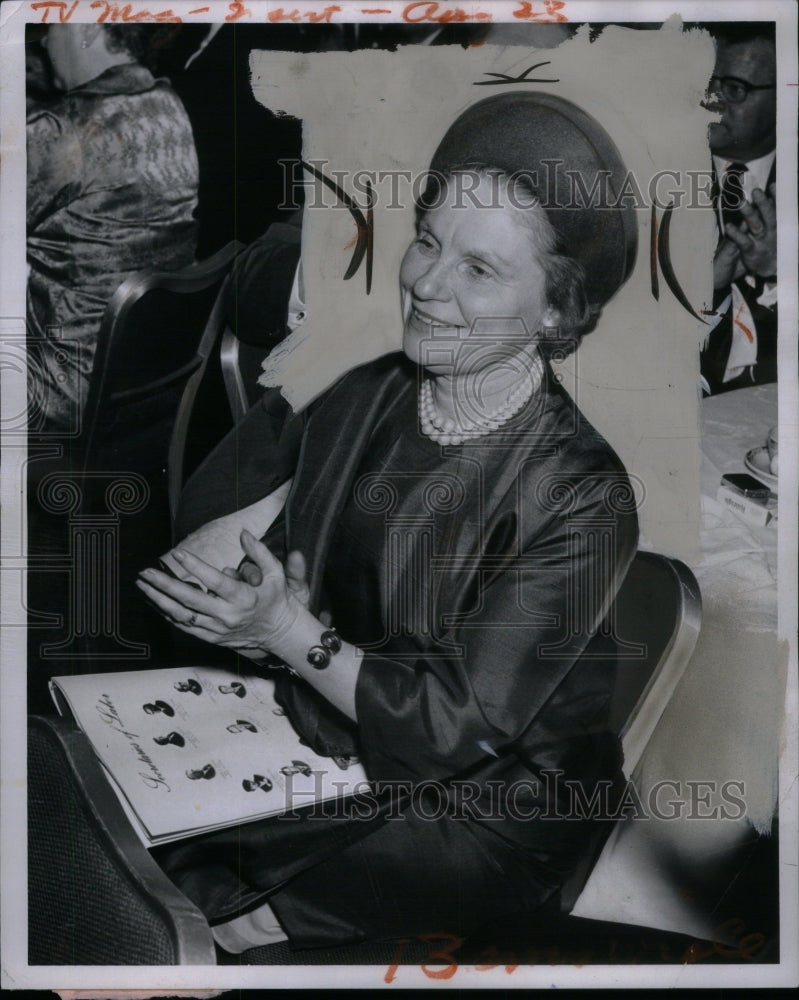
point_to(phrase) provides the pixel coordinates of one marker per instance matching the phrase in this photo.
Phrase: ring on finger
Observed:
(192, 619)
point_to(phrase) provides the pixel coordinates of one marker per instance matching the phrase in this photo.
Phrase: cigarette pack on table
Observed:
(754, 511)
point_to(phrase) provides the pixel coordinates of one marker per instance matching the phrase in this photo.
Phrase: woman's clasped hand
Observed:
(249, 609)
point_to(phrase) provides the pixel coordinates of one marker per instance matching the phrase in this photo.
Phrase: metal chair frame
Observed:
(216, 330)
(194, 278)
(231, 372)
(670, 664)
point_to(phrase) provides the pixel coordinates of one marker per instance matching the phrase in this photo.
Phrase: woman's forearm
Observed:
(259, 515)
(338, 680)
(218, 541)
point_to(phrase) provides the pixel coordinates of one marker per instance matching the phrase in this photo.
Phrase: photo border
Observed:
(17, 974)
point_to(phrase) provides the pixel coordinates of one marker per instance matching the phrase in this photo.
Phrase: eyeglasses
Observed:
(734, 90)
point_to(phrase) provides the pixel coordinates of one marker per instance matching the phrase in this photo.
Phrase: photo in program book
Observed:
(197, 749)
(436, 351)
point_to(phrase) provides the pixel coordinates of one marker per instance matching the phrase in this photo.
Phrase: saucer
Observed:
(757, 461)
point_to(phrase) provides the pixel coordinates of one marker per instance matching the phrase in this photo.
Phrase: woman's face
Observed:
(471, 282)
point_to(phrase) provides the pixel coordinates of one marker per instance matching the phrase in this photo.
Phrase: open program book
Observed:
(189, 750)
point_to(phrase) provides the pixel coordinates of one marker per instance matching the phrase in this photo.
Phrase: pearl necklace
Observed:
(444, 431)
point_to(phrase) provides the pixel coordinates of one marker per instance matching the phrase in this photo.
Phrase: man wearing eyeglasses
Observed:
(741, 349)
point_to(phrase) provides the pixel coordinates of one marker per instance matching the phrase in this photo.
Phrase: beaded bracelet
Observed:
(319, 656)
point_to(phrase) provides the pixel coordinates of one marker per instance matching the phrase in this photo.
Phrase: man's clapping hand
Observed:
(756, 238)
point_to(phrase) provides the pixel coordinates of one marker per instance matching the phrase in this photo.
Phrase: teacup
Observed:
(772, 445)
(772, 442)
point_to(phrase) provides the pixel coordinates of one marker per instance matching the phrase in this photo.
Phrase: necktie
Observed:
(732, 194)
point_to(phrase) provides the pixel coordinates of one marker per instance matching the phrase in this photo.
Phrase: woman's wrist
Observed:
(335, 675)
(293, 637)
(318, 656)
(278, 643)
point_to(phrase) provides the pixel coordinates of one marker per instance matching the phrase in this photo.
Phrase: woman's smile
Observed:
(425, 320)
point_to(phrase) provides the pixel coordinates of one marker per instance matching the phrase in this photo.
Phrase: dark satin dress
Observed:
(456, 570)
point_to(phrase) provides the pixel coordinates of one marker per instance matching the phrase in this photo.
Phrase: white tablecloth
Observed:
(723, 722)
(732, 424)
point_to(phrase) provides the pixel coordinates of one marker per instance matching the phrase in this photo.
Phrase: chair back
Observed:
(154, 339)
(659, 608)
(205, 412)
(95, 896)
(654, 624)
(150, 344)
(257, 310)
(237, 384)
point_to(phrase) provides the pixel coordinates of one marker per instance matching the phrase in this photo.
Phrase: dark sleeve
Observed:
(256, 457)
(428, 719)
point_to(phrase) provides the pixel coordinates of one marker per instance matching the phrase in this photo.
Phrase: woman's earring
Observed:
(551, 317)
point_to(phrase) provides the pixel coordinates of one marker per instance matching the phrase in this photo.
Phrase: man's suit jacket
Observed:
(714, 357)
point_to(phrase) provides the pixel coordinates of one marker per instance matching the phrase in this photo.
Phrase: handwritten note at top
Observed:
(416, 12)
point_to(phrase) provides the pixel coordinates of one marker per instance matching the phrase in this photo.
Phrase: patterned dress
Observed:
(112, 189)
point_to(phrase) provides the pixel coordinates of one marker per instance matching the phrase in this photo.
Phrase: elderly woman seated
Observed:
(112, 188)
(454, 534)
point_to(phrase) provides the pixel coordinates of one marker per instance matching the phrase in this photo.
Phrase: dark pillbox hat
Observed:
(543, 136)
